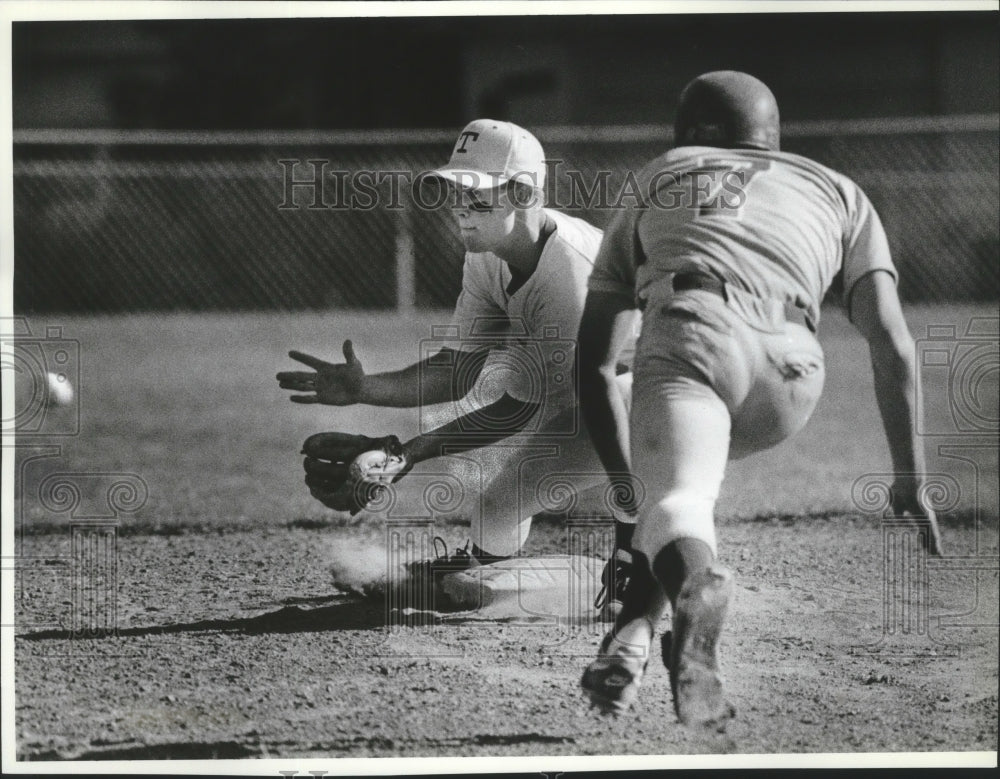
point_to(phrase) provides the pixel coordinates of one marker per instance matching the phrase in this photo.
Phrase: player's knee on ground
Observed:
(624, 382)
(681, 514)
(497, 530)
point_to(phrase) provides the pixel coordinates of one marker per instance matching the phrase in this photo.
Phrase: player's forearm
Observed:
(413, 386)
(483, 427)
(606, 418)
(875, 309)
(895, 388)
(443, 377)
(604, 414)
(607, 323)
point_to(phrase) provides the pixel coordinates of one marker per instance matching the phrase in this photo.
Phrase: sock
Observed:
(623, 535)
(678, 560)
(485, 558)
(643, 597)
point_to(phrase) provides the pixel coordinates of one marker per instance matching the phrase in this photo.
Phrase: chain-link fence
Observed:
(109, 221)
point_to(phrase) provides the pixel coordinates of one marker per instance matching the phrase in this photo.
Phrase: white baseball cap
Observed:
(490, 153)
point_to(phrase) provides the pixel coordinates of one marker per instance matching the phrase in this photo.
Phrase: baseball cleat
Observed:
(612, 680)
(691, 652)
(614, 579)
(423, 580)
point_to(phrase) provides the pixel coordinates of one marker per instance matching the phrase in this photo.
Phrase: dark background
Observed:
(139, 222)
(439, 72)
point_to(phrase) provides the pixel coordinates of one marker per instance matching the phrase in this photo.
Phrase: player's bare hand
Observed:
(328, 383)
(907, 503)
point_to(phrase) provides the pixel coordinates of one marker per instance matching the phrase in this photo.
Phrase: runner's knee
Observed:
(680, 514)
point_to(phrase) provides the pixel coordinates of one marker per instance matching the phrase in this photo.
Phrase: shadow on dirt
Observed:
(356, 614)
(234, 749)
(221, 750)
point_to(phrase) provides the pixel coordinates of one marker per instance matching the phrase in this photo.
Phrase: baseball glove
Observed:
(346, 472)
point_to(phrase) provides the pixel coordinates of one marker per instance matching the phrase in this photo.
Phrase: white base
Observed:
(555, 588)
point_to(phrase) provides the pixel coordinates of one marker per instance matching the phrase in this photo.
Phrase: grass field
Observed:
(215, 657)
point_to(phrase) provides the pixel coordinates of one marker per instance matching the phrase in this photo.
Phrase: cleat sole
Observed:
(692, 654)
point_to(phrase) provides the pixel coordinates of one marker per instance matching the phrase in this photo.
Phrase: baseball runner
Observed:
(728, 258)
(523, 289)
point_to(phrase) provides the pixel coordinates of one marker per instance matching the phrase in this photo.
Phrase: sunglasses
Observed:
(481, 208)
(477, 206)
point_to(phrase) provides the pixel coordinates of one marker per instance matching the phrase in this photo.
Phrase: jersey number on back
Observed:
(724, 183)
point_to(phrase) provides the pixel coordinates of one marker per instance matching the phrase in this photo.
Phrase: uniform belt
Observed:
(687, 281)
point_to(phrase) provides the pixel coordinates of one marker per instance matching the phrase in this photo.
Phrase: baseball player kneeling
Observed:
(524, 285)
(728, 258)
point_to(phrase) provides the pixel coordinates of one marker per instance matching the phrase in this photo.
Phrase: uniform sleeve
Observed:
(866, 248)
(476, 312)
(618, 257)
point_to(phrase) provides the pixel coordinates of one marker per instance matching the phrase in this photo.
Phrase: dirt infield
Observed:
(233, 641)
(238, 645)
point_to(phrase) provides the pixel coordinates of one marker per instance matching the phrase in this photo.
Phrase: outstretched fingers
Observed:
(297, 380)
(307, 359)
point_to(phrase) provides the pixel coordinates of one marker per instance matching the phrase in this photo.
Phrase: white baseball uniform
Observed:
(539, 322)
(721, 372)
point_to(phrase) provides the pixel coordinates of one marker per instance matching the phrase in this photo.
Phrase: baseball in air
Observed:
(60, 389)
